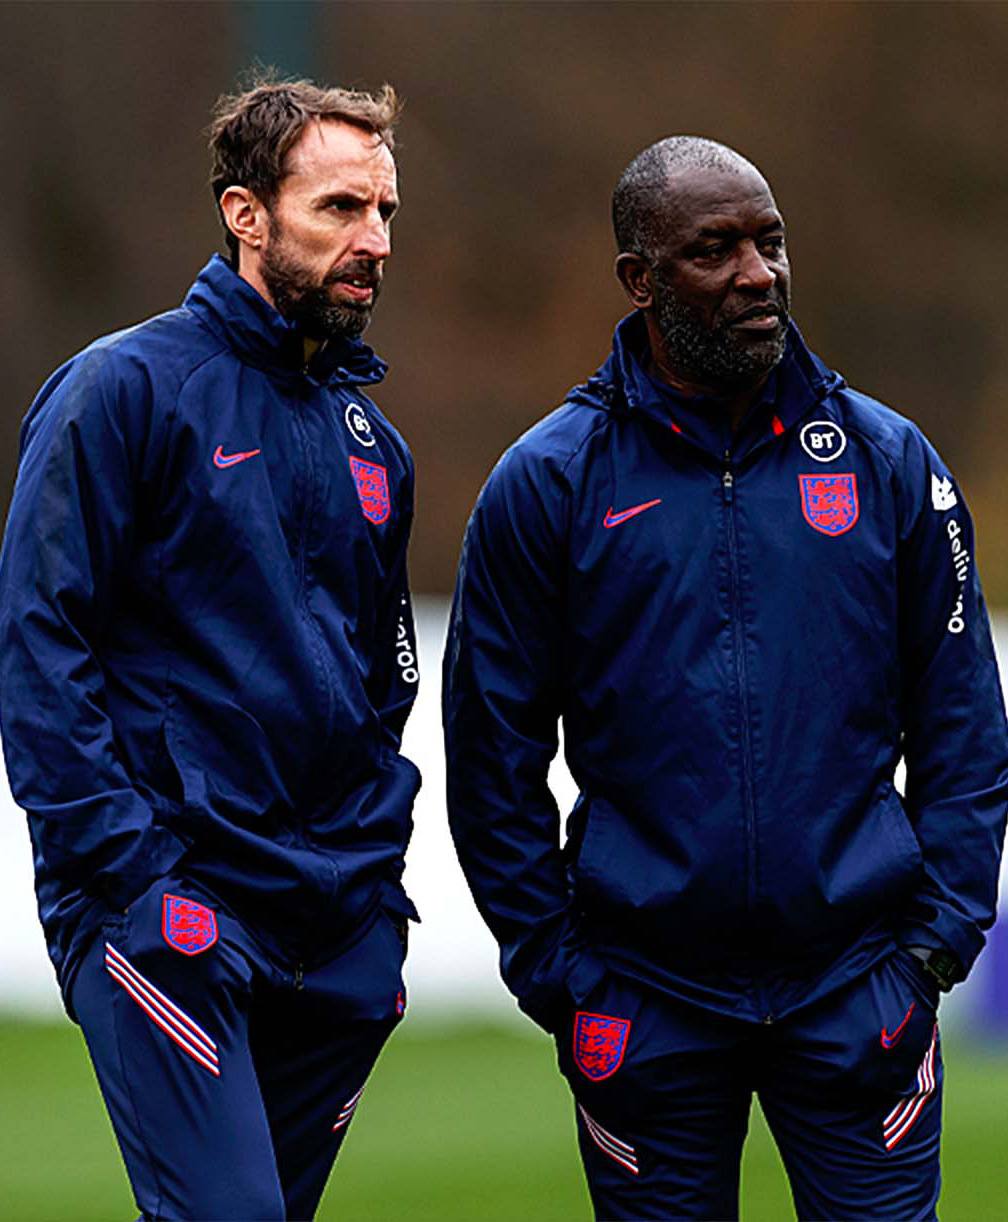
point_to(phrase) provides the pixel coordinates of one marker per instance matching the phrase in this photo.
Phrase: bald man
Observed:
(748, 591)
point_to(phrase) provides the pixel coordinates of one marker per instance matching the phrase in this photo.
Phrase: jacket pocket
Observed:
(654, 866)
(865, 862)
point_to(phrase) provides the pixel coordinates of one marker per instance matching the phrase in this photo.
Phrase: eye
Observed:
(714, 250)
(387, 212)
(772, 245)
(344, 204)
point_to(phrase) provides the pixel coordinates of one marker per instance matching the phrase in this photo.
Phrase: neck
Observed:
(737, 400)
(248, 269)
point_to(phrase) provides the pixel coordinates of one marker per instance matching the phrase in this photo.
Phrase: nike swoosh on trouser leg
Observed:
(889, 1041)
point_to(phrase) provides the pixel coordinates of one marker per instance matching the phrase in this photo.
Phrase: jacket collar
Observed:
(624, 383)
(261, 336)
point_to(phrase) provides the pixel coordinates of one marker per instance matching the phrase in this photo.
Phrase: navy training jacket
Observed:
(742, 637)
(206, 632)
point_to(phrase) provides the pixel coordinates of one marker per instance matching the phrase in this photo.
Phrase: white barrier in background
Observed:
(452, 965)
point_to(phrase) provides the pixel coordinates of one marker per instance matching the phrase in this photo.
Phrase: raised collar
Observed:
(798, 383)
(261, 336)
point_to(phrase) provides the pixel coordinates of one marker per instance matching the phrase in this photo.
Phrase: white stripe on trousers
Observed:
(348, 1110)
(172, 1020)
(619, 1151)
(904, 1115)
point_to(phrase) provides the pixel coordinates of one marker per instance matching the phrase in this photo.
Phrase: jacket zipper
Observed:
(303, 508)
(301, 564)
(741, 681)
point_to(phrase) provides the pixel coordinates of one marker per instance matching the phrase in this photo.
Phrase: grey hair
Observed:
(636, 211)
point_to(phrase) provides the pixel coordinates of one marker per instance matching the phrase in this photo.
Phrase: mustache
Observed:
(356, 269)
(773, 303)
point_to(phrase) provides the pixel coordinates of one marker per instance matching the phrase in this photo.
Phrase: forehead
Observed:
(330, 155)
(695, 200)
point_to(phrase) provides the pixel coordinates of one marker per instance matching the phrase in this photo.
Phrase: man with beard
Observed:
(207, 669)
(748, 590)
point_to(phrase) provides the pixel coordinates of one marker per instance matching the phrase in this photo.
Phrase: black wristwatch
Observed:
(942, 964)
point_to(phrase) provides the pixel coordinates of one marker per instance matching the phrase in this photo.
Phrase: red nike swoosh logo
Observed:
(614, 519)
(220, 459)
(888, 1040)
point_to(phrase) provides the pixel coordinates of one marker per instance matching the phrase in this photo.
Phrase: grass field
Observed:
(468, 1124)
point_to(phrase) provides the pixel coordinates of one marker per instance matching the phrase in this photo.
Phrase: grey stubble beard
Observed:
(711, 356)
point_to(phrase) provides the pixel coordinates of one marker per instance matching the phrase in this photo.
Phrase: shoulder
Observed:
(895, 438)
(121, 381)
(528, 492)
(553, 446)
(165, 348)
(918, 476)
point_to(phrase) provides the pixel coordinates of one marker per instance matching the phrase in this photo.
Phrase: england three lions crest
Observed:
(600, 1042)
(372, 488)
(187, 926)
(830, 502)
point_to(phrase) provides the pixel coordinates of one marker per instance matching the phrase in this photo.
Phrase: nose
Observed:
(374, 239)
(754, 270)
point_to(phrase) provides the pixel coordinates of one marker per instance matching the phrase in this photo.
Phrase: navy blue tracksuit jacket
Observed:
(205, 627)
(742, 636)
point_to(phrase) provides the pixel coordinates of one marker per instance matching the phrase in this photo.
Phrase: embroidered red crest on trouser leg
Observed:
(230, 1079)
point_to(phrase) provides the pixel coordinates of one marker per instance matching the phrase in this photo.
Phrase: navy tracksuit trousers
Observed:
(230, 1080)
(850, 1087)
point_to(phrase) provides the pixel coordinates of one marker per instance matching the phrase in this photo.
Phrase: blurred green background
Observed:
(458, 1122)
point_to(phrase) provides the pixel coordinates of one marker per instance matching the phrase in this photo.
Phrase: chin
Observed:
(767, 351)
(351, 324)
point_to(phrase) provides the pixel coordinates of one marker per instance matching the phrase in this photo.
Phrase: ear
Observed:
(634, 274)
(245, 215)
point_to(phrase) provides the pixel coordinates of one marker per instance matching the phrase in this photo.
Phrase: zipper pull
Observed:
(727, 478)
(299, 977)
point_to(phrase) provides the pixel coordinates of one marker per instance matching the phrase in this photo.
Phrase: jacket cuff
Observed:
(577, 973)
(944, 932)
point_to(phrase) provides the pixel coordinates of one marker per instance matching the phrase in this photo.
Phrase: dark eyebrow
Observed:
(352, 197)
(339, 197)
(726, 228)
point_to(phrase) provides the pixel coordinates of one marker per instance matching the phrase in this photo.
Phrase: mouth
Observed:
(357, 288)
(357, 282)
(761, 319)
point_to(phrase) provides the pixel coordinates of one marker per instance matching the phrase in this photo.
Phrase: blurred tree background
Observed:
(878, 125)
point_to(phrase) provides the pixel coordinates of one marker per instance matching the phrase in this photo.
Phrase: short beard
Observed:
(712, 356)
(308, 303)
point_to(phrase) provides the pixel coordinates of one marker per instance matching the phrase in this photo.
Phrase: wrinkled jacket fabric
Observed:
(206, 631)
(742, 636)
